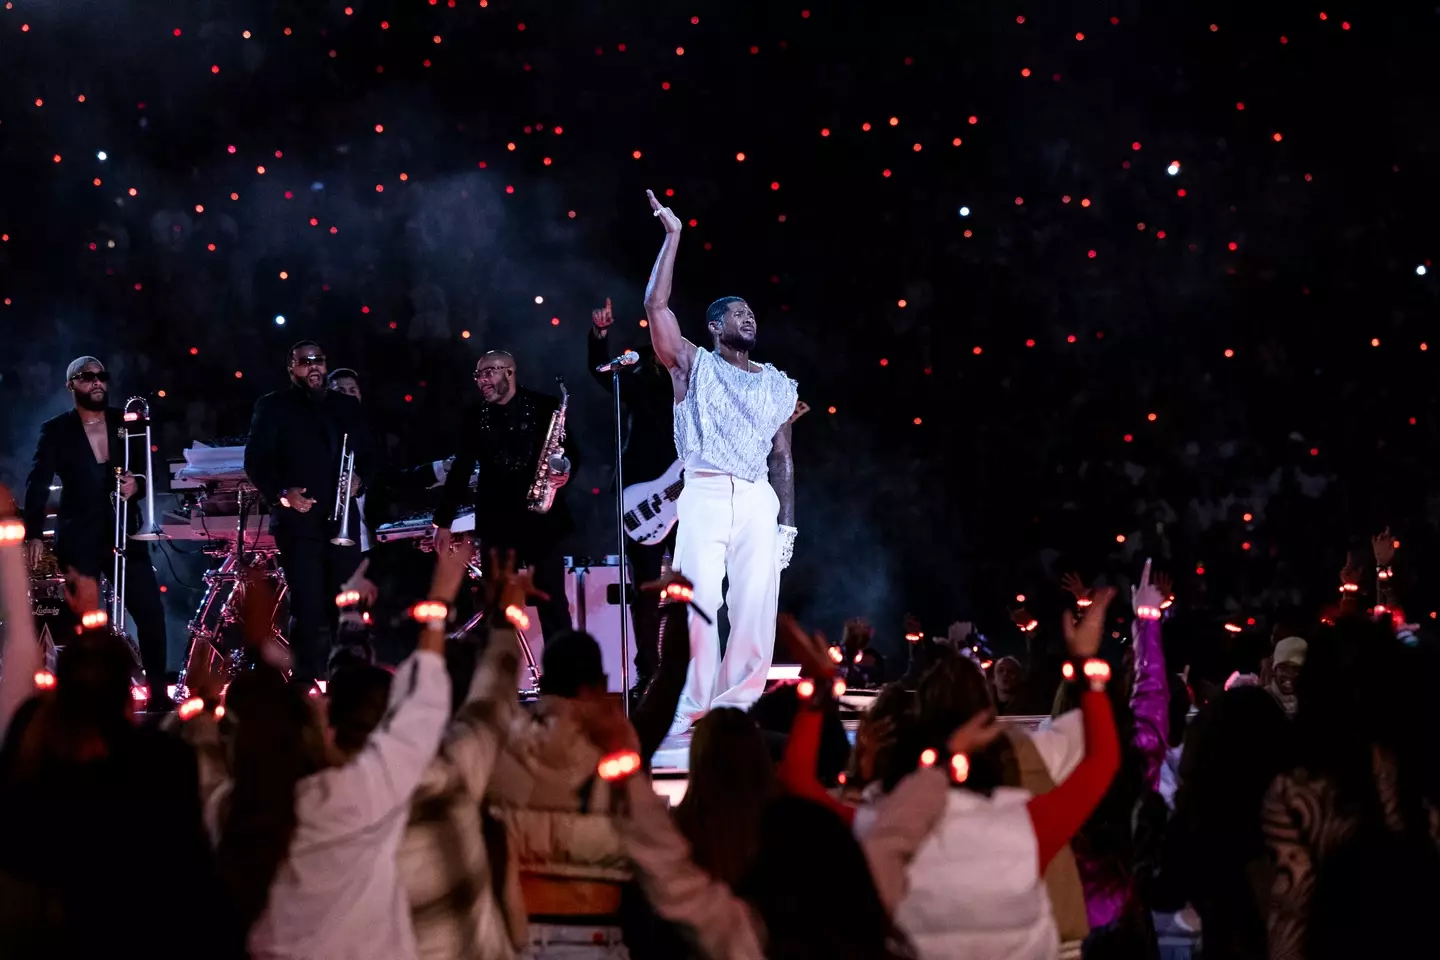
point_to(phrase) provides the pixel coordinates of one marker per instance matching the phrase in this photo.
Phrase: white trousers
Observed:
(727, 526)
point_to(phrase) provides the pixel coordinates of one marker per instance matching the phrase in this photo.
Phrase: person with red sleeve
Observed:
(974, 887)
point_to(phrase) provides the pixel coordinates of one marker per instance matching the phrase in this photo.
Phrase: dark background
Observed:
(1304, 218)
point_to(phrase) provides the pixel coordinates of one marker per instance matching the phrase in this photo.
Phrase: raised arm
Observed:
(1150, 697)
(20, 647)
(672, 349)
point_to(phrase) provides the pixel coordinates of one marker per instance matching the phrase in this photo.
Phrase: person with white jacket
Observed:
(307, 846)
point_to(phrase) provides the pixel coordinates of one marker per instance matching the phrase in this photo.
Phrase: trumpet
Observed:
(343, 486)
(135, 412)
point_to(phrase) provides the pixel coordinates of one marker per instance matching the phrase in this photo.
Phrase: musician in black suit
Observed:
(504, 435)
(649, 450)
(83, 448)
(293, 459)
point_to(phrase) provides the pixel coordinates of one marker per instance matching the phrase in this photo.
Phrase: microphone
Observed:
(624, 360)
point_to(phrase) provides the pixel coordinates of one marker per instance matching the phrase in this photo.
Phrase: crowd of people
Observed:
(422, 811)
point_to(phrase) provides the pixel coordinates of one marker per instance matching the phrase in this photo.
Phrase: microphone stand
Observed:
(620, 543)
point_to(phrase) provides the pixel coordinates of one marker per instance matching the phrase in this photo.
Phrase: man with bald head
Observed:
(83, 448)
(503, 434)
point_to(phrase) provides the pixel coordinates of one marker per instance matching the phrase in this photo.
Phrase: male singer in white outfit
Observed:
(737, 511)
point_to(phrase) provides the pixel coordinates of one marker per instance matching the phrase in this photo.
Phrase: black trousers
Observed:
(142, 599)
(645, 607)
(549, 566)
(314, 570)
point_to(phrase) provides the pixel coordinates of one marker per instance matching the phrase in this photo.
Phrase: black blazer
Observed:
(295, 439)
(505, 440)
(85, 521)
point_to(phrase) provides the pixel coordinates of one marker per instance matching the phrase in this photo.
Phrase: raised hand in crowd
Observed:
(1072, 583)
(20, 651)
(1146, 597)
(977, 733)
(1384, 545)
(362, 584)
(82, 592)
(1082, 636)
(506, 587)
(858, 634)
(1166, 586)
(810, 650)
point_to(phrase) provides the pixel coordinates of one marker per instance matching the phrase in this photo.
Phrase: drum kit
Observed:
(221, 510)
(421, 529)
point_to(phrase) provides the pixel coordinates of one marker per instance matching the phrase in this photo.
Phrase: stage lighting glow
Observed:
(964, 211)
(1174, 168)
(279, 320)
(102, 155)
(1420, 271)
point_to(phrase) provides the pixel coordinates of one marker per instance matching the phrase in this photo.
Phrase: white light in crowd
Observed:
(102, 155)
(279, 320)
(1420, 270)
(1174, 168)
(964, 211)
(539, 299)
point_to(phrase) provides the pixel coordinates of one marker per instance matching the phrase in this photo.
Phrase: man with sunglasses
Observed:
(83, 448)
(293, 458)
(503, 434)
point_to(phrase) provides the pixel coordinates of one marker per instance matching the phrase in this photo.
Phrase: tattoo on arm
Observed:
(782, 475)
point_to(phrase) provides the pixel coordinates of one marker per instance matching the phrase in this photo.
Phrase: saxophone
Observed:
(552, 459)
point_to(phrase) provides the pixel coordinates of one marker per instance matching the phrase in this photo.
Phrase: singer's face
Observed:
(737, 329)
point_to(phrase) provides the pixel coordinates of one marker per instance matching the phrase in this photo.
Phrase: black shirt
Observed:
(505, 440)
(295, 440)
(648, 396)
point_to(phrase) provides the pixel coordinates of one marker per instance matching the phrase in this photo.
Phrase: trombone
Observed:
(341, 511)
(135, 412)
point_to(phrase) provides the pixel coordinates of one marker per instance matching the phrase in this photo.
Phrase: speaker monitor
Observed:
(592, 587)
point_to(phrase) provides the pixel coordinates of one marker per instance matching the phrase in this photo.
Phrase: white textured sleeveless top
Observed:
(729, 417)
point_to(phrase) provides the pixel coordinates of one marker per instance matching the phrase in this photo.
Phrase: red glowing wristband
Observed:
(432, 613)
(618, 766)
(12, 533)
(1383, 573)
(814, 695)
(1147, 612)
(1095, 670)
(677, 591)
(1028, 626)
(1349, 588)
(347, 598)
(94, 619)
(959, 763)
(518, 618)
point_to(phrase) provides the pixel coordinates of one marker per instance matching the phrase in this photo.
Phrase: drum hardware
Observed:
(532, 669)
(218, 609)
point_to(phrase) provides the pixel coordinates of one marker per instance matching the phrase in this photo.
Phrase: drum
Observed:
(55, 622)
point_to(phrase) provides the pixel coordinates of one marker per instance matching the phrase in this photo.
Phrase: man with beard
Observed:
(737, 512)
(293, 458)
(82, 446)
(503, 435)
